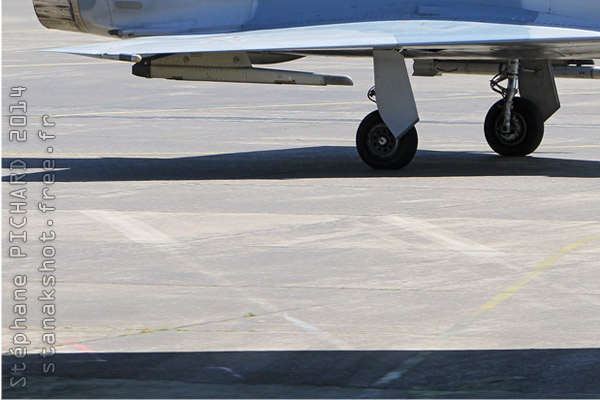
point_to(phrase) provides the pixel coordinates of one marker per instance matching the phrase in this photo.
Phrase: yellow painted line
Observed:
(580, 146)
(173, 110)
(595, 92)
(133, 112)
(54, 64)
(519, 284)
(87, 155)
(454, 98)
(239, 107)
(91, 156)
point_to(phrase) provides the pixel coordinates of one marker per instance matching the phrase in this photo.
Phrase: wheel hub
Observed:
(382, 141)
(517, 133)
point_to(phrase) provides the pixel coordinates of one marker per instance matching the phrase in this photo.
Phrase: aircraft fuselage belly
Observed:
(128, 18)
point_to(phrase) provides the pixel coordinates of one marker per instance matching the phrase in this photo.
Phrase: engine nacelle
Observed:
(59, 14)
(89, 16)
(130, 18)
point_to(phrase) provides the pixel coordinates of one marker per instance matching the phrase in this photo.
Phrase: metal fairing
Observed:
(148, 17)
(464, 29)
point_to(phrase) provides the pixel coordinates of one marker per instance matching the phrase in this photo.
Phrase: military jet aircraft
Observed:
(523, 44)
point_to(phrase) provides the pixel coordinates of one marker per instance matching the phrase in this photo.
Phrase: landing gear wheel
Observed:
(526, 131)
(379, 148)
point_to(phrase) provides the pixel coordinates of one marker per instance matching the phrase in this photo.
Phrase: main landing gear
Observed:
(524, 133)
(514, 126)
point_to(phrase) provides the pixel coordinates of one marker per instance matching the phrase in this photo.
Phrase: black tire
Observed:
(527, 129)
(379, 148)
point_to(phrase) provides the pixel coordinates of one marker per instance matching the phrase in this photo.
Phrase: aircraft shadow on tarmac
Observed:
(547, 373)
(312, 162)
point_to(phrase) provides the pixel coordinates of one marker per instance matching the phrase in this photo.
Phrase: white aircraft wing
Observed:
(439, 38)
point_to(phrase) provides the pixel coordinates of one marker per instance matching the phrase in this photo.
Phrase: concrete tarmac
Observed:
(225, 240)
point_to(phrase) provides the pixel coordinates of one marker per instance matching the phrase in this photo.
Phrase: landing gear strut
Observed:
(387, 138)
(514, 126)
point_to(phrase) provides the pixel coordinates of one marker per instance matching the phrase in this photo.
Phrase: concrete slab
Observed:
(196, 221)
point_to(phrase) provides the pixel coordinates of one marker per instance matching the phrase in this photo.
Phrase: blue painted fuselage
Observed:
(143, 17)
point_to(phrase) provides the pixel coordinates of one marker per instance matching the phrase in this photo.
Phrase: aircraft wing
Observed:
(438, 39)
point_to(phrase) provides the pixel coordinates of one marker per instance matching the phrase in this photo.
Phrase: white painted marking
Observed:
(133, 229)
(402, 370)
(225, 369)
(389, 378)
(324, 335)
(302, 324)
(442, 236)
